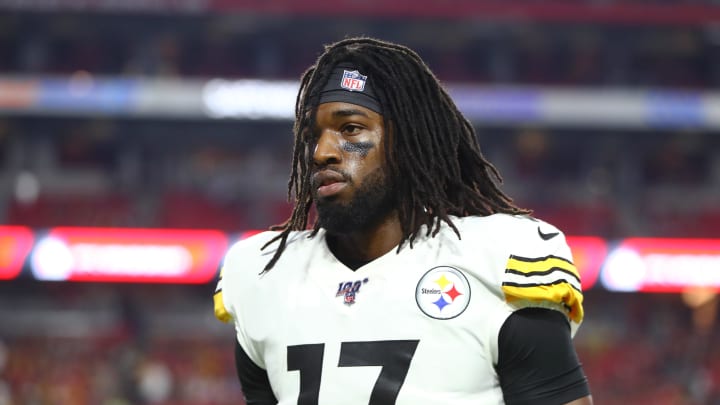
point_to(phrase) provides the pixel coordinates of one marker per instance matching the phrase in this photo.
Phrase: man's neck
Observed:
(359, 248)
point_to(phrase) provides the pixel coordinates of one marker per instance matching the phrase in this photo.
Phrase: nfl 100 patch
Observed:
(349, 289)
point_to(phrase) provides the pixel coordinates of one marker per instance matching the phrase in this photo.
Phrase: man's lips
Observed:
(328, 183)
(330, 189)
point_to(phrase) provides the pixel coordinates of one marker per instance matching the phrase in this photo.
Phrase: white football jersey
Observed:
(418, 326)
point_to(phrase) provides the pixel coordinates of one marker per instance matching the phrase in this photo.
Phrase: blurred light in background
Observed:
(27, 187)
(252, 99)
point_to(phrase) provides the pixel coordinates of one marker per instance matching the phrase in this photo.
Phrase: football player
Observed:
(420, 282)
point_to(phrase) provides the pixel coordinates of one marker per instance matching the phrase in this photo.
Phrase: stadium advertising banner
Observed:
(194, 257)
(128, 255)
(662, 265)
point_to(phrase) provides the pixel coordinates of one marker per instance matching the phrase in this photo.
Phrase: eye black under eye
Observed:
(361, 148)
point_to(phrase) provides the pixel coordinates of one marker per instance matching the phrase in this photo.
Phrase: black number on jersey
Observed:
(308, 360)
(393, 355)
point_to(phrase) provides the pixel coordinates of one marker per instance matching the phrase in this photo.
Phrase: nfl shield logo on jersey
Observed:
(443, 292)
(353, 80)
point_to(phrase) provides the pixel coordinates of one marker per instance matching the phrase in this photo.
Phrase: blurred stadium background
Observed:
(139, 138)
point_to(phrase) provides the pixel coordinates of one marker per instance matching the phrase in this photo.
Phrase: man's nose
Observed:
(327, 150)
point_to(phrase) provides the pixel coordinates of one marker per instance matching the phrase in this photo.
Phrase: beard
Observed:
(372, 202)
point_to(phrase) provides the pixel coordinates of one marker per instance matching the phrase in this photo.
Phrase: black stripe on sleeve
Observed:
(253, 379)
(540, 259)
(526, 285)
(542, 272)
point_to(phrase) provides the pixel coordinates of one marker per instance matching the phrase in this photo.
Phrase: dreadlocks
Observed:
(433, 148)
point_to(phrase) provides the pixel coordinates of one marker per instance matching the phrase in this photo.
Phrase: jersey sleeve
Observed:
(253, 378)
(240, 271)
(241, 257)
(537, 362)
(540, 273)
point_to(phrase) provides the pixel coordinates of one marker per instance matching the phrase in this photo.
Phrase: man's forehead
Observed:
(340, 106)
(344, 109)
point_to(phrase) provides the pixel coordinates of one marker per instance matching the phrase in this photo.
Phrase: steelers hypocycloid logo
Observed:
(443, 292)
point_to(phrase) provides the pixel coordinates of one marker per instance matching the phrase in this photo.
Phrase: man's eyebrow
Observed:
(349, 112)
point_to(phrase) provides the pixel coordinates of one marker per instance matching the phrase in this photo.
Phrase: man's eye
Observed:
(351, 129)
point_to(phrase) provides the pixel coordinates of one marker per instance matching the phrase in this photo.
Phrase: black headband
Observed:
(348, 85)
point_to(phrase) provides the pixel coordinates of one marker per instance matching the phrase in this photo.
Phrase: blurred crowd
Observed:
(98, 171)
(114, 345)
(111, 172)
(651, 349)
(115, 371)
(250, 45)
(147, 173)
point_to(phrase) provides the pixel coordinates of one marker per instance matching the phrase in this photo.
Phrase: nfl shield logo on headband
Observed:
(353, 80)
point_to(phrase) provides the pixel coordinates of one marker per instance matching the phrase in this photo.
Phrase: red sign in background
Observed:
(15, 245)
(129, 255)
(589, 253)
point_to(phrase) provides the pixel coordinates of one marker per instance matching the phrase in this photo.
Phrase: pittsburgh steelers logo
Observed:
(443, 293)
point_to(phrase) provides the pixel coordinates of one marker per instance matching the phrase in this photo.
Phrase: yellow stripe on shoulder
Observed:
(560, 294)
(221, 313)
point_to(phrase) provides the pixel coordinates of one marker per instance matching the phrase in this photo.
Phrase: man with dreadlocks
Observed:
(420, 282)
